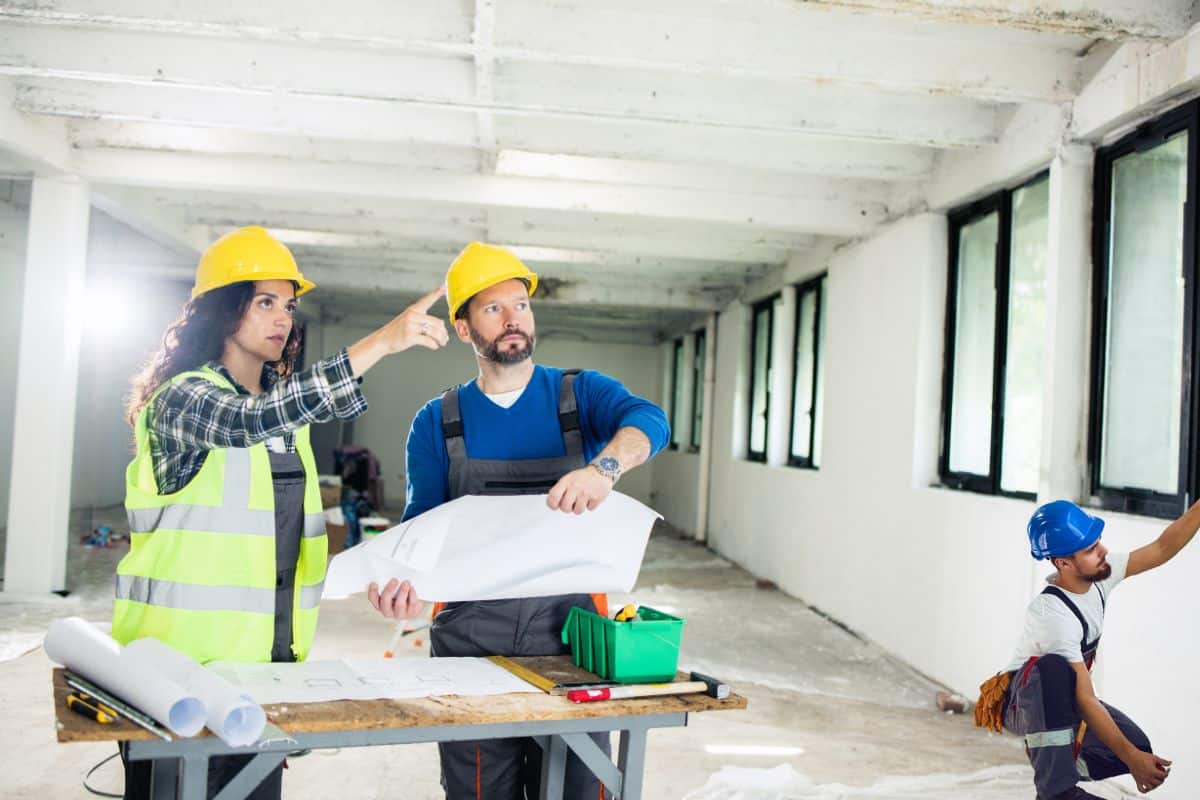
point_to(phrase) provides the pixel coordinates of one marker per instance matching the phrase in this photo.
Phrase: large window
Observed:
(1142, 448)
(808, 388)
(700, 342)
(995, 333)
(762, 326)
(676, 392)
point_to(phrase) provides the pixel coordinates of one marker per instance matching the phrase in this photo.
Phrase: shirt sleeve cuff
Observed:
(653, 425)
(345, 390)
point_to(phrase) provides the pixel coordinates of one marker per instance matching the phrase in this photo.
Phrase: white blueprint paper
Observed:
(231, 714)
(493, 548)
(370, 679)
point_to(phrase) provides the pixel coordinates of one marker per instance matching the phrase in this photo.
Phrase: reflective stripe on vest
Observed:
(215, 520)
(198, 597)
(200, 574)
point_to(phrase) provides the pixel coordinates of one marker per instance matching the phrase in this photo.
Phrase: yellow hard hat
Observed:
(479, 266)
(247, 254)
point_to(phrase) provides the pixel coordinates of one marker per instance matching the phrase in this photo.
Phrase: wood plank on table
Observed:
(347, 715)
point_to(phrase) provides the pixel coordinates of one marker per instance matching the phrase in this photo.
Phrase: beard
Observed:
(493, 351)
(1101, 574)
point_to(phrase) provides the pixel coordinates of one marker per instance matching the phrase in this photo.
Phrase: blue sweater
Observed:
(529, 429)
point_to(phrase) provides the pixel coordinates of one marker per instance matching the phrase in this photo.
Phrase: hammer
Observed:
(697, 683)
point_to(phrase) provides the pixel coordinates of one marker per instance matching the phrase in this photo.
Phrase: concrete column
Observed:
(1068, 285)
(707, 395)
(683, 417)
(53, 309)
(783, 368)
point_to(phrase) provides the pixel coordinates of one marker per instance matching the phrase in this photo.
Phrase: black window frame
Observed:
(814, 285)
(766, 305)
(699, 357)
(1000, 203)
(676, 377)
(1147, 502)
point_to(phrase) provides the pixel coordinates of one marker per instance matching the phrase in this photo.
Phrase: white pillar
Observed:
(1062, 473)
(703, 493)
(683, 417)
(52, 312)
(783, 368)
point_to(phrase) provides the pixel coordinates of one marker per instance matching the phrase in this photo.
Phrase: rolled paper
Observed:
(82, 648)
(232, 714)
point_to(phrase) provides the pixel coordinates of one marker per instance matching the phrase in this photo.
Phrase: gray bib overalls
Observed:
(508, 769)
(287, 477)
(1040, 706)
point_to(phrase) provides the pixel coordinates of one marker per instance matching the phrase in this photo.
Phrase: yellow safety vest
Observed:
(200, 574)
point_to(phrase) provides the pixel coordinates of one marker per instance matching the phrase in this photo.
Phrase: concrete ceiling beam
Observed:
(836, 210)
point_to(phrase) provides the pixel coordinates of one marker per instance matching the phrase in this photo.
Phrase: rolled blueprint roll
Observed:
(232, 714)
(81, 648)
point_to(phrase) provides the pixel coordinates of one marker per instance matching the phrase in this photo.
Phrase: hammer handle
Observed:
(636, 690)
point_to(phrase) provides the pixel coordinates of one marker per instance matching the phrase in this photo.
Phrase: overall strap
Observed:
(568, 414)
(1061, 595)
(452, 429)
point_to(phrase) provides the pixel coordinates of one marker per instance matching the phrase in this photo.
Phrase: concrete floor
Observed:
(830, 716)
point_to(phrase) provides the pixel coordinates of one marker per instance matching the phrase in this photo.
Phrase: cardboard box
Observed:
(331, 496)
(337, 537)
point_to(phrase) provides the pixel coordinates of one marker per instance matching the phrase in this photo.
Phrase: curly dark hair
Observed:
(197, 337)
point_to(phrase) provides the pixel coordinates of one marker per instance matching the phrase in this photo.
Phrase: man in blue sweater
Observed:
(517, 428)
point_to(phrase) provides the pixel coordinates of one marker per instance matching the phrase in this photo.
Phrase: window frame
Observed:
(766, 305)
(1000, 203)
(676, 377)
(1146, 502)
(813, 285)
(699, 351)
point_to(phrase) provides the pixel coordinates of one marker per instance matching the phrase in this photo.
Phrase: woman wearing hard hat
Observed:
(228, 549)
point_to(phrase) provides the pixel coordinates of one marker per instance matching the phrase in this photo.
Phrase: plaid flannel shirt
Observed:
(191, 417)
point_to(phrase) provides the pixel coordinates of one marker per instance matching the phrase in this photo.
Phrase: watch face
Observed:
(609, 463)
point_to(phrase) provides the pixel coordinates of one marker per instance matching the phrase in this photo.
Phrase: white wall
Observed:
(398, 387)
(14, 222)
(676, 492)
(676, 488)
(939, 577)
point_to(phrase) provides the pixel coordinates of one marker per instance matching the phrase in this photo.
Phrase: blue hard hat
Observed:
(1060, 529)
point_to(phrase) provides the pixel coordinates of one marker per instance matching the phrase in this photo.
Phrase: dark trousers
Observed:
(508, 769)
(1041, 707)
(221, 770)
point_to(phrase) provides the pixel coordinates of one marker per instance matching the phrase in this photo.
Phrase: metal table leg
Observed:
(250, 776)
(194, 785)
(596, 760)
(164, 778)
(632, 762)
(554, 768)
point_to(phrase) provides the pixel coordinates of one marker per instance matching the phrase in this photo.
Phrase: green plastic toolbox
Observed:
(644, 650)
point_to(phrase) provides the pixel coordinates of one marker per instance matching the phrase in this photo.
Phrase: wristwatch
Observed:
(608, 466)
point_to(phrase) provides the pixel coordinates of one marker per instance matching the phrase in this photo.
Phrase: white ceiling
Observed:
(651, 159)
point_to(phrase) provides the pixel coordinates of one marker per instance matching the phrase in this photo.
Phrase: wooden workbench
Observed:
(557, 723)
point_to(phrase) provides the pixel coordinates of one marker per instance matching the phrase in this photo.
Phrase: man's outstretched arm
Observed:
(1167, 545)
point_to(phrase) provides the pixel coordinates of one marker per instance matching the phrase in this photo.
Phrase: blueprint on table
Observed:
(370, 679)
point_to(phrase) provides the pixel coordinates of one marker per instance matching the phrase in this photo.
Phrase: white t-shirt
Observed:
(1051, 628)
(506, 399)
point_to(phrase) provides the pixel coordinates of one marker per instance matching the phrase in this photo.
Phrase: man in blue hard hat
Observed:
(1070, 734)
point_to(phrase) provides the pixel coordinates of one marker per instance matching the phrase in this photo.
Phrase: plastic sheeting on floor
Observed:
(785, 783)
